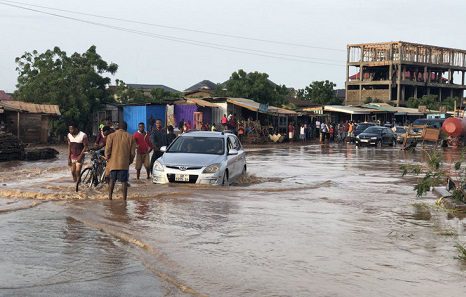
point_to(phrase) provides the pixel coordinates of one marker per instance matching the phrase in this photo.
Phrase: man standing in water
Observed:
(158, 139)
(144, 147)
(120, 152)
(77, 146)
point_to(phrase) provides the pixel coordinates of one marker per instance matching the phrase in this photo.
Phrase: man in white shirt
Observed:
(317, 128)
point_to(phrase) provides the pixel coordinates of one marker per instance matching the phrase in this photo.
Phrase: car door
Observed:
(388, 136)
(241, 162)
(385, 136)
(231, 159)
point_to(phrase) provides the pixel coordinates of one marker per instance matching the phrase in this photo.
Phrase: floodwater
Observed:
(308, 221)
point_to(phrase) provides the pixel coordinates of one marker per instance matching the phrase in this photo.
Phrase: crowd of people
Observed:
(324, 131)
(120, 149)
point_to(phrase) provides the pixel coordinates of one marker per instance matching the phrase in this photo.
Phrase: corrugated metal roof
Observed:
(202, 86)
(245, 103)
(5, 96)
(282, 111)
(396, 110)
(254, 106)
(30, 107)
(202, 103)
(350, 109)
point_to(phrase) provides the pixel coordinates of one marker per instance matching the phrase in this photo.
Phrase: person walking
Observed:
(158, 139)
(101, 139)
(120, 151)
(323, 132)
(318, 127)
(350, 131)
(77, 145)
(290, 132)
(143, 148)
(224, 122)
(171, 135)
(302, 133)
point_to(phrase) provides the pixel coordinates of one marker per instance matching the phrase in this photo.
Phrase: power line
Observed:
(182, 28)
(181, 40)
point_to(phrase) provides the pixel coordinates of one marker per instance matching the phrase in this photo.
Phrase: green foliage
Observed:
(124, 94)
(159, 95)
(255, 86)
(432, 103)
(434, 173)
(320, 92)
(461, 251)
(77, 83)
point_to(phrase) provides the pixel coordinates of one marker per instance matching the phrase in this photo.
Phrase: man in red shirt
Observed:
(144, 147)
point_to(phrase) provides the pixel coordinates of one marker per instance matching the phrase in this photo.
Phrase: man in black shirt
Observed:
(159, 139)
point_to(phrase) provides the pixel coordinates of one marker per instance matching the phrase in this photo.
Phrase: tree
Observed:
(76, 83)
(125, 94)
(255, 86)
(432, 103)
(159, 95)
(320, 92)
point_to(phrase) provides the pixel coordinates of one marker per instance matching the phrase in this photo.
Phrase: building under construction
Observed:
(396, 71)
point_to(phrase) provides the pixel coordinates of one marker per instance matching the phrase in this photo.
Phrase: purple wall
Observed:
(207, 114)
(185, 112)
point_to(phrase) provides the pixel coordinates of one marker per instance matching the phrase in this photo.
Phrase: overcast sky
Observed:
(145, 59)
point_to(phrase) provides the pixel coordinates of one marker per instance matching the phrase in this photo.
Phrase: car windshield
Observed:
(375, 130)
(198, 145)
(420, 122)
(362, 127)
(400, 130)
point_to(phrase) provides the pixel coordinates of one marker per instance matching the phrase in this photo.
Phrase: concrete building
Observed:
(395, 71)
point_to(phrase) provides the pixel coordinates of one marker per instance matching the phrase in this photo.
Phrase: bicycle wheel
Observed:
(86, 179)
(101, 175)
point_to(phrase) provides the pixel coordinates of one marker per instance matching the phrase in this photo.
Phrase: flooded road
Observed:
(309, 221)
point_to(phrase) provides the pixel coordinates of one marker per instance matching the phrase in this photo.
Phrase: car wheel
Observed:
(379, 143)
(225, 181)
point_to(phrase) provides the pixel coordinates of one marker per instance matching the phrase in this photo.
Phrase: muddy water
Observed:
(308, 221)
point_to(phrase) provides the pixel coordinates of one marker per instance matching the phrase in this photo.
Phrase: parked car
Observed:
(376, 135)
(400, 133)
(201, 157)
(419, 124)
(361, 127)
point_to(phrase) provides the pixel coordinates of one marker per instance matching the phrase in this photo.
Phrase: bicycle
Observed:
(93, 175)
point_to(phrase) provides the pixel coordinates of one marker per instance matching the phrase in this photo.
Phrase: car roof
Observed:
(195, 133)
(380, 127)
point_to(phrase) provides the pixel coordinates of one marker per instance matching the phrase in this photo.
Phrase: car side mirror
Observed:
(163, 149)
(233, 152)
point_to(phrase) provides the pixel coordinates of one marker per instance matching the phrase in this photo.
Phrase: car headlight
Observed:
(374, 138)
(357, 137)
(158, 166)
(212, 168)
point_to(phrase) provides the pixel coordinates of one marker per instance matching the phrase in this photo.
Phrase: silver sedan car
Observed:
(200, 157)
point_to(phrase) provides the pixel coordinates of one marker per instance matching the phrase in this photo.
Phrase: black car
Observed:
(376, 135)
(361, 127)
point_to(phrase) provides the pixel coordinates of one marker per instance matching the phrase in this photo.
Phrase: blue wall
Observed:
(135, 114)
(155, 112)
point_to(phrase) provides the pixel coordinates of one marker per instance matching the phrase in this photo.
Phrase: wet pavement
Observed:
(308, 221)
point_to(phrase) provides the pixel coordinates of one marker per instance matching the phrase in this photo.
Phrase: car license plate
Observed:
(364, 140)
(182, 177)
